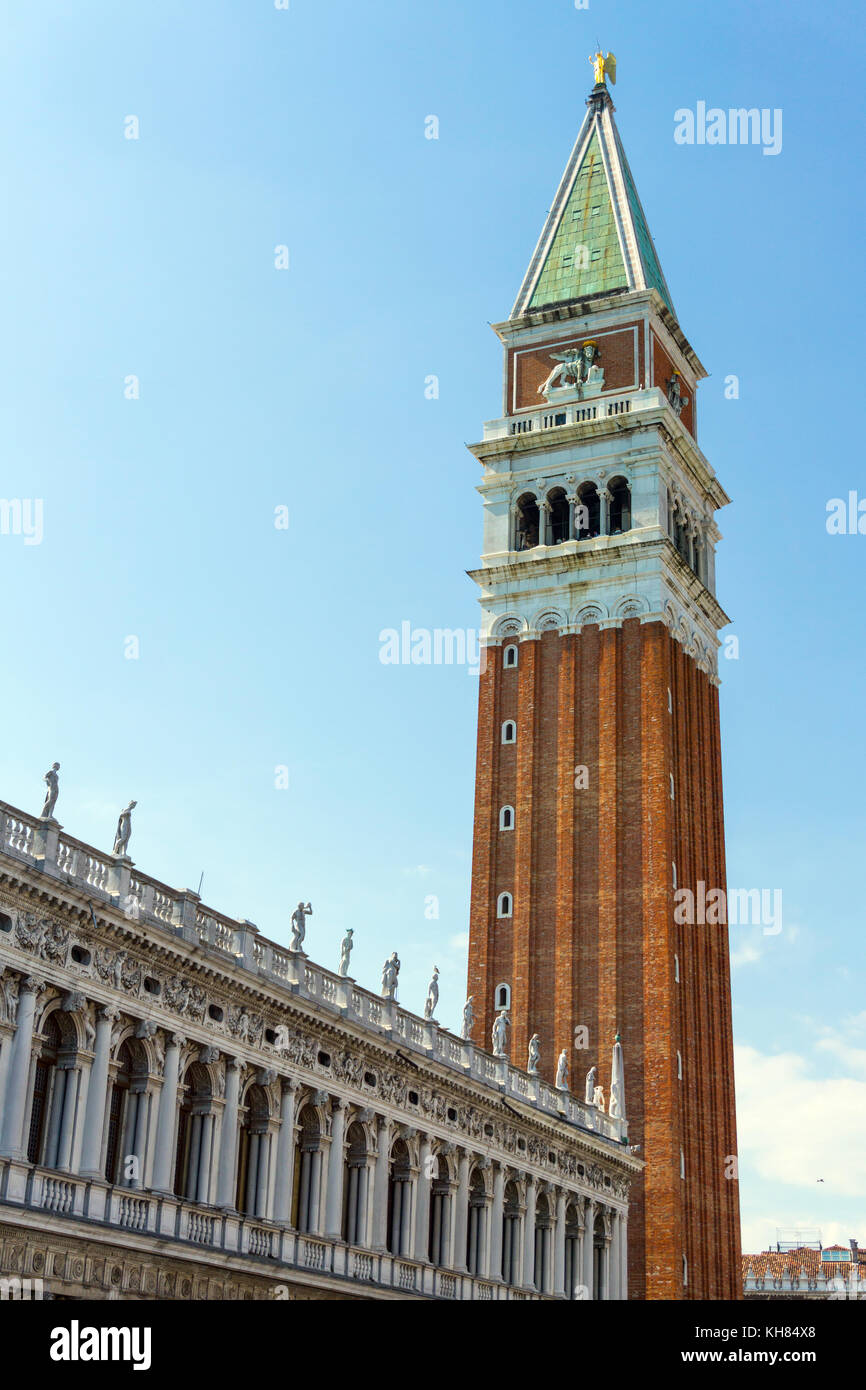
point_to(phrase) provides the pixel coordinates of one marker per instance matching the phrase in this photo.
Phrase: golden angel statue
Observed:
(604, 67)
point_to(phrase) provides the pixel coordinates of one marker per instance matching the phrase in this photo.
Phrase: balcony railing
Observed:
(87, 1204)
(588, 412)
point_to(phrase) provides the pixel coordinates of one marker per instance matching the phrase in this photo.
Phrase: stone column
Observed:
(166, 1113)
(496, 1223)
(604, 1291)
(202, 1191)
(71, 1097)
(315, 1222)
(529, 1234)
(285, 1151)
(623, 1256)
(13, 1145)
(572, 533)
(263, 1177)
(380, 1185)
(588, 1241)
(604, 501)
(425, 1183)
(544, 510)
(559, 1248)
(362, 1218)
(229, 1134)
(461, 1215)
(7, 1038)
(336, 1168)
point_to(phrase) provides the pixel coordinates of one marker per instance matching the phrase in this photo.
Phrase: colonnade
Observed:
(121, 1101)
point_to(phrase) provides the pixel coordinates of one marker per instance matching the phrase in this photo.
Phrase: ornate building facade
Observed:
(598, 785)
(192, 1111)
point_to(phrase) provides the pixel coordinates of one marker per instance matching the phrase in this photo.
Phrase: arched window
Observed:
(558, 516)
(619, 513)
(685, 1272)
(307, 1178)
(543, 1233)
(439, 1231)
(502, 997)
(682, 1164)
(509, 731)
(355, 1187)
(400, 1200)
(588, 521)
(676, 968)
(504, 905)
(509, 656)
(253, 1153)
(526, 522)
(672, 785)
(506, 818)
(476, 1228)
(674, 876)
(511, 1272)
(679, 1065)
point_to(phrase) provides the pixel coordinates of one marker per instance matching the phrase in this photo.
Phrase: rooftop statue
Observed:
(346, 951)
(432, 994)
(468, 1016)
(52, 782)
(299, 925)
(603, 68)
(124, 829)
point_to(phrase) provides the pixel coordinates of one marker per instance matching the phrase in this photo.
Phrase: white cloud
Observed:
(417, 871)
(796, 1126)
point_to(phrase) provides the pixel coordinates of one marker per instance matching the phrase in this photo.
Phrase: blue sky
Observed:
(305, 388)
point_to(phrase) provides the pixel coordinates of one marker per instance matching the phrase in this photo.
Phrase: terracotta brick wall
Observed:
(592, 939)
(662, 373)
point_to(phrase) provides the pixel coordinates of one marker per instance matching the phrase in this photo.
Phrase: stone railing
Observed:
(174, 1222)
(591, 411)
(116, 883)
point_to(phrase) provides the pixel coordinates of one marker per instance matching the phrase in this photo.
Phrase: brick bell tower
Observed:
(598, 785)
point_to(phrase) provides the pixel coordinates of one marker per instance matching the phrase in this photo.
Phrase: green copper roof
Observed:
(585, 257)
(596, 239)
(646, 246)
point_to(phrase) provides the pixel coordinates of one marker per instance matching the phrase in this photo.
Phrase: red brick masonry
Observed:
(593, 941)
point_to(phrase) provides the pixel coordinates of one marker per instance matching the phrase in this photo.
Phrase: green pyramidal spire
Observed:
(596, 239)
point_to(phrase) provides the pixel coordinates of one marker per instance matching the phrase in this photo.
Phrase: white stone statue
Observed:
(468, 1017)
(346, 951)
(281, 1038)
(299, 925)
(598, 1098)
(52, 782)
(534, 1055)
(500, 1034)
(124, 829)
(590, 1086)
(575, 368)
(390, 971)
(432, 994)
(562, 1071)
